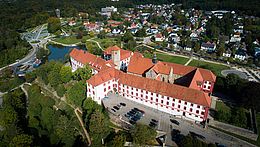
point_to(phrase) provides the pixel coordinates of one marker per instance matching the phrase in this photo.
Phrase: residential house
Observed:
(227, 53)
(236, 37)
(159, 37)
(209, 47)
(240, 54)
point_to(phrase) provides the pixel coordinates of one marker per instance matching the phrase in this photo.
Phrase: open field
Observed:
(107, 42)
(215, 68)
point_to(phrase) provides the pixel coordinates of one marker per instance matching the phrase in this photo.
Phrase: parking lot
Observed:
(164, 123)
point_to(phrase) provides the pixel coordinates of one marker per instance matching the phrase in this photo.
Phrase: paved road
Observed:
(32, 53)
(211, 135)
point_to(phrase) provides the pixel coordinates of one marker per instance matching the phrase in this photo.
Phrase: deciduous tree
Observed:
(141, 134)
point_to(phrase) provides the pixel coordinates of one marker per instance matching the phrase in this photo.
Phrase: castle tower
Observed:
(116, 58)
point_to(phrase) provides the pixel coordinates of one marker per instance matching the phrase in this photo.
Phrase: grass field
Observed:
(167, 58)
(107, 42)
(70, 39)
(215, 68)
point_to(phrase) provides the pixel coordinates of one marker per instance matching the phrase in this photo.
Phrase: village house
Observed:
(209, 47)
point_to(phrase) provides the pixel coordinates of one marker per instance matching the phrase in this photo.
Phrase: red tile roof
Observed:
(161, 68)
(103, 76)
(84, 57)
(139, 65)
(123, 53)
(179, 69)
(165, 89)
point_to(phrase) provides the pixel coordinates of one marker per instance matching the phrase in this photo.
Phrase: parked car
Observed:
(115, 107)
(139, 110)
(155, 121)
(123, 104)
(152, 124)
(113, 110)
(174, 121)
(133, 112)
(132, 122)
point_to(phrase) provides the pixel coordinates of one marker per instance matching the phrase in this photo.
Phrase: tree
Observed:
(118, 140)
(197, 47)
(251, 95)
(141, 134)
(47, 117)
(21, 140)
(83, 73)
(221, 49)
(141, 33)
(127, 37)
(53, 24)
(89, 106)
(41, 53)
(131, 44)
(54, 78)
(65, 130)
(60, 90)
(99, 127)
(30, 76)
(102, 35)
(79, 35)
(76, 93)
(65, 74)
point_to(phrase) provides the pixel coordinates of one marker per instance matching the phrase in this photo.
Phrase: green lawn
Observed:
(107, 42)
(70, 39)
(215, 68)
(167, 58)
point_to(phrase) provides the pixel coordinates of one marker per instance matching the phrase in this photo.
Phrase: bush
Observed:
(60, 90)
(29, 77)
(6, 85)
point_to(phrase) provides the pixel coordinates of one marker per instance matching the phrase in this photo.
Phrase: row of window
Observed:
(151, 98)
(167, 104)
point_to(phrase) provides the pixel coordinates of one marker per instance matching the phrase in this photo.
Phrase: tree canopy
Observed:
(142, 134)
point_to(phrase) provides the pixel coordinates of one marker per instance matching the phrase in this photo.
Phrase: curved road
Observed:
(32, 53)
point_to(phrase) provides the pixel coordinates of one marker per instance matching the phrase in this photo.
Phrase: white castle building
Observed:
(172, 88)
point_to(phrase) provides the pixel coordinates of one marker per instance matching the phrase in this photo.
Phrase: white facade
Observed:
(240, 57)
(163, 103)
(75, 65)
(226, 54)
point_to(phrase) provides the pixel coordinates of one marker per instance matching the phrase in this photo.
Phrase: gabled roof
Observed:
(139, 65)
(84, 57)
(123, 53)
(163, 88)
(208, 45)
(161, 68)
(180, 69)
(103, 76)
